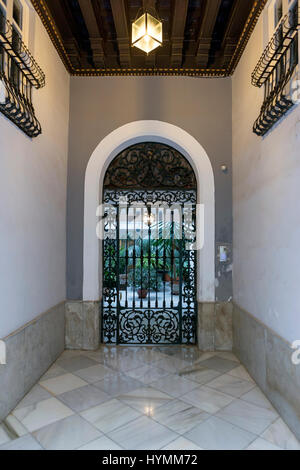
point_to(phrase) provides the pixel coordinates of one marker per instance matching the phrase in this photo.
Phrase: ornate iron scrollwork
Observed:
(148, 326)
(168, 314)
(151, 197)
(19, 72)
(150, 165)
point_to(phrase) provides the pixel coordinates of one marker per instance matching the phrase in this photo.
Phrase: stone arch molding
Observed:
(114, 143)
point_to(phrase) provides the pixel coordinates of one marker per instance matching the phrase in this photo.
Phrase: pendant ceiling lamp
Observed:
(147, 31)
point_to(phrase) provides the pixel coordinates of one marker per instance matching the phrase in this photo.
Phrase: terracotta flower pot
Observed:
(142, 293)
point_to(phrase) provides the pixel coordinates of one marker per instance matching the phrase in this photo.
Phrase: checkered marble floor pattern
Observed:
(172, 397)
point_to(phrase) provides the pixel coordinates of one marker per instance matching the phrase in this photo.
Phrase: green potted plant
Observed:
(143, 278)
(170, 248)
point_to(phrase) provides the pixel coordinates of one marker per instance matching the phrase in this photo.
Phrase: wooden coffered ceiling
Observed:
(200, 37)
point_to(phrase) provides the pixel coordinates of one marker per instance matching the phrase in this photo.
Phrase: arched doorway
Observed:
(149, 261)
(107, 149)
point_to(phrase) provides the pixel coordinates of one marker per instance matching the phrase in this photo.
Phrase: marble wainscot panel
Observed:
(82, 325)
(29, 353)
(268, 359)
(215, 326)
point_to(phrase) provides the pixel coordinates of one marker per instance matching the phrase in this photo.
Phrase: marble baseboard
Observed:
(215, 326)
(29, 353)
(82, 325)
(267, 358)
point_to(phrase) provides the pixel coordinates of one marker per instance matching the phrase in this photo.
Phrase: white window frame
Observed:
(269, 20)
(8, 8)
(3, 8)
(15, 23)
(22, 32)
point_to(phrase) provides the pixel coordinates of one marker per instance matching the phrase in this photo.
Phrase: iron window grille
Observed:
(19, 73)
(275, 70)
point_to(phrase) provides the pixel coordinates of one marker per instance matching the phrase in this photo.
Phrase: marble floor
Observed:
(172, 397)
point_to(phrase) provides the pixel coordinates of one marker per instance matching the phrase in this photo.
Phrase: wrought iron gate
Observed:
(149, 270)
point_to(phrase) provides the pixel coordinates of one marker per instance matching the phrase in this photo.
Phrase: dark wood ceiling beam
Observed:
(206, 31)
(72, 38)
(178, 27)
(66, 11)
(241, 9)
(73, 51)
(95, 38)
(121, 26)
(56, 10)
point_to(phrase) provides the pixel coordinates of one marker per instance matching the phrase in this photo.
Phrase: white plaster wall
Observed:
(266, 206)
(33, 199)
